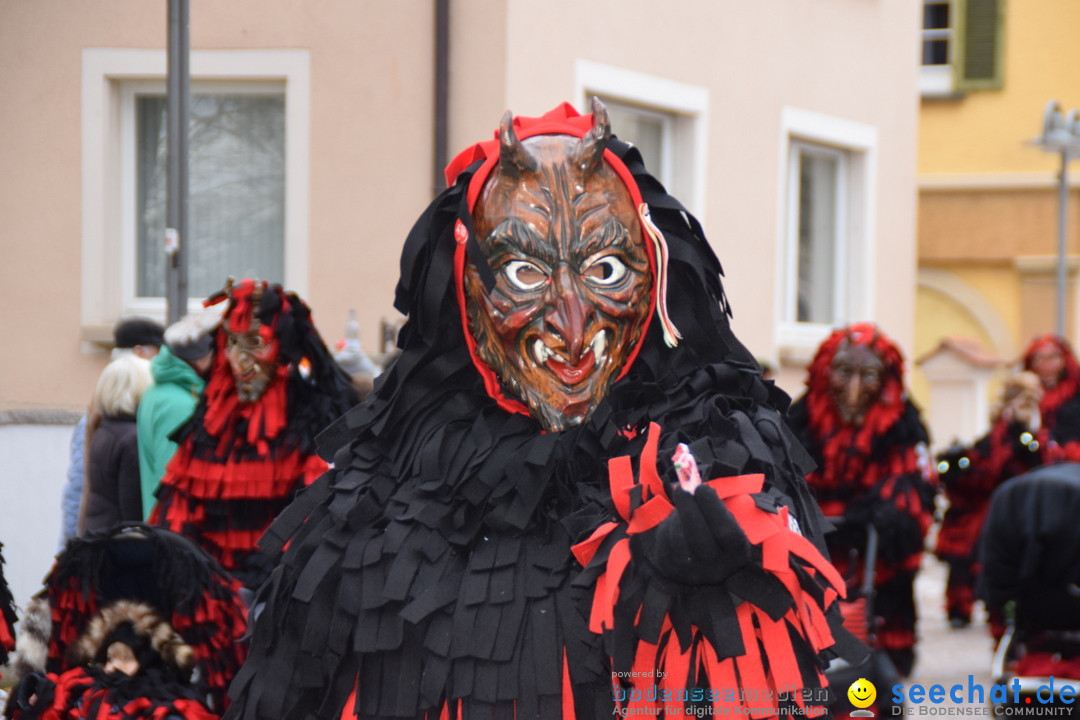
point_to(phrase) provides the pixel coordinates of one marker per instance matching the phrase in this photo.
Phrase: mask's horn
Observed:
(590, 151)
(514, 158)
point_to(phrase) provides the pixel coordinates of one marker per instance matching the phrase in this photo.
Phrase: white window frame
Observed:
(798, 147)
(665, 173)
(937, 80)
(129, 93)
(108, 184)
(857, 145)
(686, 107)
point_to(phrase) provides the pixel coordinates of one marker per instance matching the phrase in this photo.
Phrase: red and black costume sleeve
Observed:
(1060, 405)
(874, 472)
(165, 570)
(238, 464)
(970, 474)
(7, 615)
(87, 693)
(461, 562)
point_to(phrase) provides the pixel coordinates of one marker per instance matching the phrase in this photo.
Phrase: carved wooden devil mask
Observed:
(572, 292)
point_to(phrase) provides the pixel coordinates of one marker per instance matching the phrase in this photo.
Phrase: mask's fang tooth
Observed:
(599, 345)
(541, 351)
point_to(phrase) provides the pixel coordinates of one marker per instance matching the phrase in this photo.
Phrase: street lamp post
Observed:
(178, 103)
(1061, 134)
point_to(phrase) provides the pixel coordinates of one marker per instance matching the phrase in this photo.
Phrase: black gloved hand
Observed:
(700, 542)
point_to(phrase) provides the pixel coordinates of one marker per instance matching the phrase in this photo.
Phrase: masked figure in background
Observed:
(250, 445)
(872, 468)
(506, 533)
(130, 664)
(1016, 443)
(1052, 359)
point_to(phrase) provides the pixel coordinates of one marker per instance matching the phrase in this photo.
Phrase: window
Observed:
(937, 32)
(826, 237)
(248, 176)
(236, 186)
(666, 120)
(936, 74)
(961, 46)
(650, 131)
(819, 240)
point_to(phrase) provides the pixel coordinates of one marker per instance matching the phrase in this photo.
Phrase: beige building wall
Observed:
(988, 199)
(370, 150)
(363, 71)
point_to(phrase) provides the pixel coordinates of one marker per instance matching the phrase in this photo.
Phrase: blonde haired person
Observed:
(111, 493)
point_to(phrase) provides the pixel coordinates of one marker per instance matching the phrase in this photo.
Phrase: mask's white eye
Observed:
(608, 270)
(523, 275)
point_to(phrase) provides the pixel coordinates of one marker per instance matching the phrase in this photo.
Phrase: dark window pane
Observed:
(935, 52)
(936, 16)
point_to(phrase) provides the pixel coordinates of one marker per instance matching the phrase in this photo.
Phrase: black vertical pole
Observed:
(179, 96)
(442, 81)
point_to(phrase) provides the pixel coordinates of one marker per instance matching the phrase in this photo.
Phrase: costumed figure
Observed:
(1030, 556)
(1017, 442)
(7, 615)
(505, 533)
(135, 564)
(250, 446)
(872, 468)
(129, 665)
(1052, 359)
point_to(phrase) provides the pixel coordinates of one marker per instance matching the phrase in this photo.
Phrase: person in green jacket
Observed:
(179, 372)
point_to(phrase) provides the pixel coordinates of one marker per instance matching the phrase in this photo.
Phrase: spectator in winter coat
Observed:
(137, 336)
(111, 492)
(179, 372)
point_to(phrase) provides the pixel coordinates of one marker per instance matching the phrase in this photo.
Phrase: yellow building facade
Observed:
(988, 197)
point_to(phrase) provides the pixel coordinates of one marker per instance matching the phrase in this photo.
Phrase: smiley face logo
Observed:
(862, 693)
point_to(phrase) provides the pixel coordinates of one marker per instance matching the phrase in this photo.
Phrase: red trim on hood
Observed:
(561, 120)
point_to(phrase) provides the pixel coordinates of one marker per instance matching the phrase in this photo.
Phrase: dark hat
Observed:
(191, 337)
(133, 331)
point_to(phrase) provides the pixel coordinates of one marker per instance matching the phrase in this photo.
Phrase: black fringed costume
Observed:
(461, 562)
(162, 569)
(239, 463)
(7, 615)
(875, 471)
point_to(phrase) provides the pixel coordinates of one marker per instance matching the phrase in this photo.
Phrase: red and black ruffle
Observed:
(89, 693)
(239, 464)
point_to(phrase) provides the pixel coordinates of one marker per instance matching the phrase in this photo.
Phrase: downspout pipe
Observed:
(442, 82)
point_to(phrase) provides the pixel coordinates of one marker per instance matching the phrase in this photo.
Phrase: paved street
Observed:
(947, 656)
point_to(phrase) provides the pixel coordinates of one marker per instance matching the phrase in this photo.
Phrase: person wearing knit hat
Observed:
(179, 372)
(139, 336)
